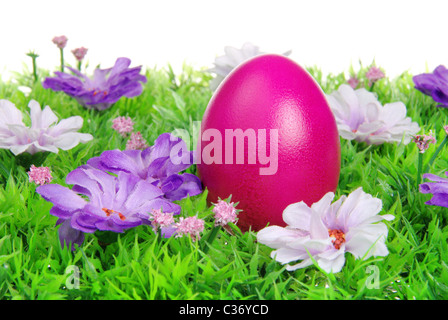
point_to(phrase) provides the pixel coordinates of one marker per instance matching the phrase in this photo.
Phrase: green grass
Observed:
(139, 265)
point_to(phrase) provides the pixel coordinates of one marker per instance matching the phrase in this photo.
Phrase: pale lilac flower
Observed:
(353, 82)
(374, 74)
(361, 117)
(123, 125)
(43, 135)
(438, 188)
(446, 129)
(60, 41)
(326, 231)
(39, 175)
(224, 213)
(79, 53)
(191, 225)
(136, 142)
(423, 141)
(232, 58)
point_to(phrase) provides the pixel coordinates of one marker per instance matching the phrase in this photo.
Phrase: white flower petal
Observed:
(276, 237)
(41, 119)
(9, 114)
(285, 255)
(298, 215)
(332, 265)
(70, 140)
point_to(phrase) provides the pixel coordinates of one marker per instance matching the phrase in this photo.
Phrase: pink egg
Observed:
(268, 139)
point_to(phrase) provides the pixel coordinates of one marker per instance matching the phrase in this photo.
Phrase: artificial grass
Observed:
(139, 265)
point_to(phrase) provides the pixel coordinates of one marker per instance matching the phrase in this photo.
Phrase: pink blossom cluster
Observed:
(79, 53)
(161, 219)
(224, 213)
(60, 41)
(191, 225)
(39, 175)
(136, 142)
(372, 75)
(123, 125)
(423, 141)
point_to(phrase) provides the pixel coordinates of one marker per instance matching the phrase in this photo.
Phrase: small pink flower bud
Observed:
(191, 225)
(374, 74)
(39, 175)
(224, 213)
(123, 125)
(136, 142)
(79, 53)
(60, 41)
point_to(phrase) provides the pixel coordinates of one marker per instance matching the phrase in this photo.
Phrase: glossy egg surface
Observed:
(268, 139)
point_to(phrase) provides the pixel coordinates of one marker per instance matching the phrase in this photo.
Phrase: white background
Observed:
(399, 35)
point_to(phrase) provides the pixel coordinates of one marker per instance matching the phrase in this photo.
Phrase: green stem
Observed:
(419, 168)
(434, 156)
(34, 69)
(79, 65)
(211, 237)
(62, 59)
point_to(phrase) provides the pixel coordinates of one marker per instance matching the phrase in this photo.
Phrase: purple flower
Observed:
(434, 84)
(100, 201)
(102, 90)
(438, 188)
(159, 164)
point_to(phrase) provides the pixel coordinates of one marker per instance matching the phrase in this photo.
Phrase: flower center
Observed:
(339, 237)
(110, 211)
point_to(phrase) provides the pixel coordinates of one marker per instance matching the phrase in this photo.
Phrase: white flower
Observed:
(231, 59)
(325, 231)
(43, 135)
(360, 116)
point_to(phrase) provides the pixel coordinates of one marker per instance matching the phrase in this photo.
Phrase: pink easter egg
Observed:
(268, 139)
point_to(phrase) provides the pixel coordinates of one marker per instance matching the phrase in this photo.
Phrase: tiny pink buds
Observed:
(123, 125)
(161, 219)
(353, 82)
(39, 175)
(224, 213)
(374, 74)
(60, 41)
(79, 53)
(423, 141)
(136, 142)
(191, 225)
(446, 129)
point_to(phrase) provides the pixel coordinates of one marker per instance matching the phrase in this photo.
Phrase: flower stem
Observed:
(211, 237)
(79, 65)
(62, 59)
(33, 57)
(434, 156)
(419, 168)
